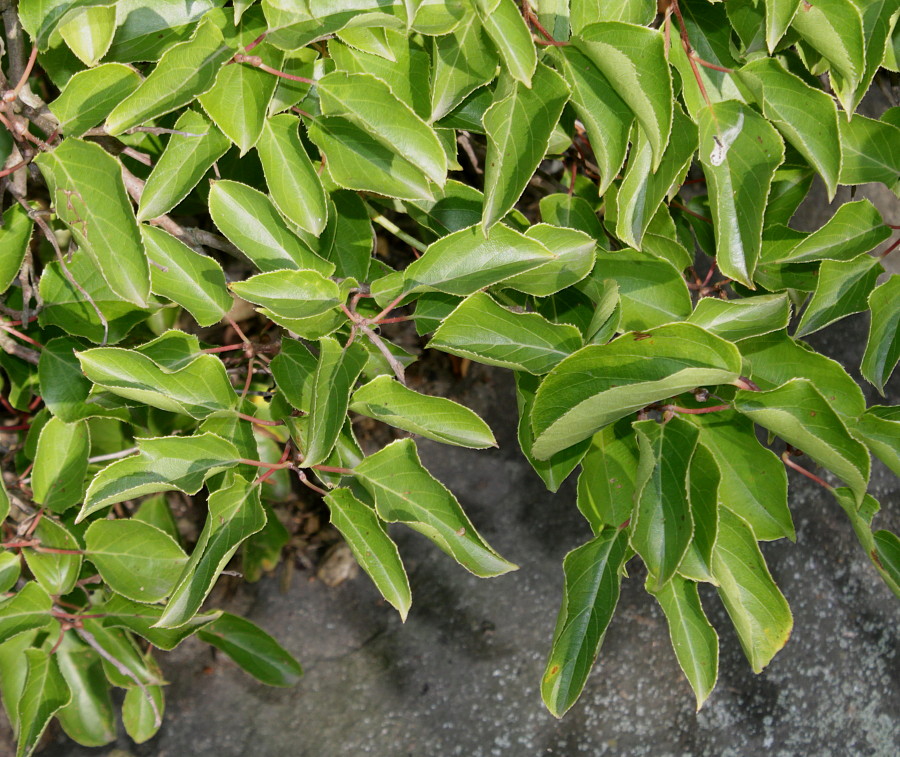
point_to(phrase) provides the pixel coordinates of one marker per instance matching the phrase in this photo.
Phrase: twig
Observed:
(113, 455)
(390, 226)
(786, 458)
(257, 62)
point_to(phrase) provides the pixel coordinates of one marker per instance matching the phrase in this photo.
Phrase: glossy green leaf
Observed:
(194, 281)
(55, 571)
(607, 484)
(883, 343)
(354, 238)
(779, 14)
(295, 186)
(60, 464)
(187, 157)
(41, 18)
(88, 719)
(869, 150)
(704, 488)
(405, 492)
(573, 212)
(518, 128)
(90, 96)
(574, 251)
(694, 640)
(250, 220)
(135, 559)
(757, 608)
(740, 151)
(740, 319)
(879, 428)
(199, 388)
(10, 564)
(662, 526)
(15, 233)
(89, 196)
(185, 71)
(373, 548)
(14, 669)
(800, 415)
(290, 294)
(89, 33)
(161, 465)
(856, 227)
(141, 618)
(601, 383)
(633, 60)
(132, 668)
(464, 60)
(887, 549)
(294, 368)
(482, 330)
(28, 608)
(44, 693)
(253, 649)
(438, 418)
(806, 117)
(843, 288)
(336, 373)
(139, 716)
(590, 595)
(507, 29)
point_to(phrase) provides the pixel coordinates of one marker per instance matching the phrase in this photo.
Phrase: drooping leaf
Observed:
(161, 465)
(15, 233)
(139, 716)
(869, 150)
(253, 649)
(616, 379)
(373, 548)
(60, 464)
(757, 608)
(704, 488)
(800, 415)
(88, 719)
(89, 196)
(662, 525)
(518, 128)
(404, 491)
(843, 288)
(883, 343)
(608, 480)
(290, 294)
(590, 596)
(44, 693)
(740, 151)
(119, 612)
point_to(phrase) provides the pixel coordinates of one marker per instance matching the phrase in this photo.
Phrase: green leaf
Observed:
(253, 649)
(290, 294)
(557, 467)
(405, 492)
(608, 481)
(779, 14)
(869, 149)
(197, 389)
(165, 464)
(250, 220)
(855, 228)
(757, 608)
(883, 342)
(753, 483)
(28, 608)
(573, 212)
(354, 238)
(740, 151)
(44, 693)
(185, 71)
(135, 559)
(651, 291)
(592, 580)
(336, 373)
(294, 368)
(187, 157)
(662, 526)
(133, 667)
(141, 618)
(887, 548)
(90, 96)
(704, 487)
(41, 18)
(740, 319)
(15, 233)
(800, 415)
(369, 103)
(843, 288)
(10, 564)
(694, 640)
(879, 428)
(89, 196)
(633, 60)
(482, 330)
(464, 60)
(90, 33)
(89, 718)
(60, 464)
(575, 256)
(601, 383)
(140, 718)
(239, 99)
(438, 418)
(806, 117)
(55, 571)
(235, 513)
(373, 548)
(606, 117)
(507, 29)
(518, 127)
(194, 281)
(295, 186)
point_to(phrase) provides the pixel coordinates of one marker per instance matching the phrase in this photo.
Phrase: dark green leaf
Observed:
(55, 571)
(608, 480)
(27, 609)
(869, 150)
(89, 718)
(60, 464)
(844, 288)
(883, 343)
(44, 693)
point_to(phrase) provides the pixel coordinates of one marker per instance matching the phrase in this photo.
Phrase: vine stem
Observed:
(695, 410)
(259, 421)
(786, 459)
(257, 62)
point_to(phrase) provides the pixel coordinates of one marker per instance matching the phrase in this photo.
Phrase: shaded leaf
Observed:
(44, 693)
(843, 288)
(607, 484)
(15, 233)
(88, 719)
(883, 343)
(140, 718)
(27, 609)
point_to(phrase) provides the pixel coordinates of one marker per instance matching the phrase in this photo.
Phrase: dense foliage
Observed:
(595, 195)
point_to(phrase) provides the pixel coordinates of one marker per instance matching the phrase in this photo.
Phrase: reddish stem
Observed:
(696, 410)
(256, 62)
(225, 348)
(889, 250)
(333, 469)
(23, 337)
(690, 212)
(259, 421)
(786, 457)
